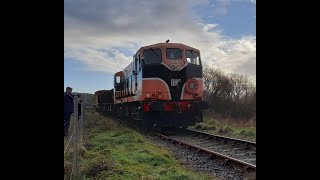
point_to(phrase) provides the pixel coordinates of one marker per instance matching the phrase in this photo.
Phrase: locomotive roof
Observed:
(168, 45)
(165, 45)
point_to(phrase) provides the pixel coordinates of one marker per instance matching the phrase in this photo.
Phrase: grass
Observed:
(114, 152)
(227, 127)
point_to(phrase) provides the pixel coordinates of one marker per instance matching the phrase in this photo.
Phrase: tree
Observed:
(229, 95)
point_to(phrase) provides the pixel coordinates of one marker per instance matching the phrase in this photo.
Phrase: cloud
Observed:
(207, 27)
(97, 60)
(105, 34)
(221, 7)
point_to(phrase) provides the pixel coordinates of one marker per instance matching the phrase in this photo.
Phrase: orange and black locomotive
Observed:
(162, 86)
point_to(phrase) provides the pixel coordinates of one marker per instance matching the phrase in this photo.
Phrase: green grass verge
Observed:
(116, 152)
(226, 128)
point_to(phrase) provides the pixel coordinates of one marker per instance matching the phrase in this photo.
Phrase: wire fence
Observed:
(74, 142)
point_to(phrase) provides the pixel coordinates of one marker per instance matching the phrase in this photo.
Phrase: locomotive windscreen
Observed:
(152, 56)
(173, 53)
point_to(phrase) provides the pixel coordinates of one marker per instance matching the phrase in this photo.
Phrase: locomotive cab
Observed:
(178, 65)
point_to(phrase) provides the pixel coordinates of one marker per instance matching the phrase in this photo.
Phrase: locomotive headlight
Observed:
(191, 85)
(151, 95)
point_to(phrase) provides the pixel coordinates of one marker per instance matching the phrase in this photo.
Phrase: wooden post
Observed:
(81, 122)
(76, 138)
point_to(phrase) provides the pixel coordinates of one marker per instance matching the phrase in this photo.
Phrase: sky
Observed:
(101, 36)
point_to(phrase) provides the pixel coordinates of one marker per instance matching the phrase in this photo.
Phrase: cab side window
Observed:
(193, 57)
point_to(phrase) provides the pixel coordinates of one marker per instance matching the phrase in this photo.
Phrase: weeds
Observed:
(229, 127)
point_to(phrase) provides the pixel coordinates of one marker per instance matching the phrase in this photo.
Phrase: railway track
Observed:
(248, 144)
(238, 153)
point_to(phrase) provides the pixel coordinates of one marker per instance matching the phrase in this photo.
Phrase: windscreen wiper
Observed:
(154, 52)
(192, 54)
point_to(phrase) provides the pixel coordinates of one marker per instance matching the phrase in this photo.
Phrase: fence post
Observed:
(81, 122)
(76, 138)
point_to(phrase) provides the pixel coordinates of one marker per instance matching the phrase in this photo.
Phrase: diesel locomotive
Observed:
(162, 86)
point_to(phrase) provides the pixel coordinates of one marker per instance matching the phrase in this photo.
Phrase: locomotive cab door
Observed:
(137, 73)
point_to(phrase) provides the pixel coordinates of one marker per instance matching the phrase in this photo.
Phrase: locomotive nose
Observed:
(175, 67)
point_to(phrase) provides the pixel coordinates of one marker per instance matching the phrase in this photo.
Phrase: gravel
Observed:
(199, 162)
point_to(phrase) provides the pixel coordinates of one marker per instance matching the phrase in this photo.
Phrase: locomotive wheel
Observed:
(184, 126)
(142, 127)
(147, 123)
(200, 116)
(146, 127)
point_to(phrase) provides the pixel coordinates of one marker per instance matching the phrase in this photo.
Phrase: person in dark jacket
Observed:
(79, 108)
(68, 109)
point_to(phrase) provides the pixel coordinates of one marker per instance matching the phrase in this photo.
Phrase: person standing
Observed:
(68, 109)
(79, 107)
